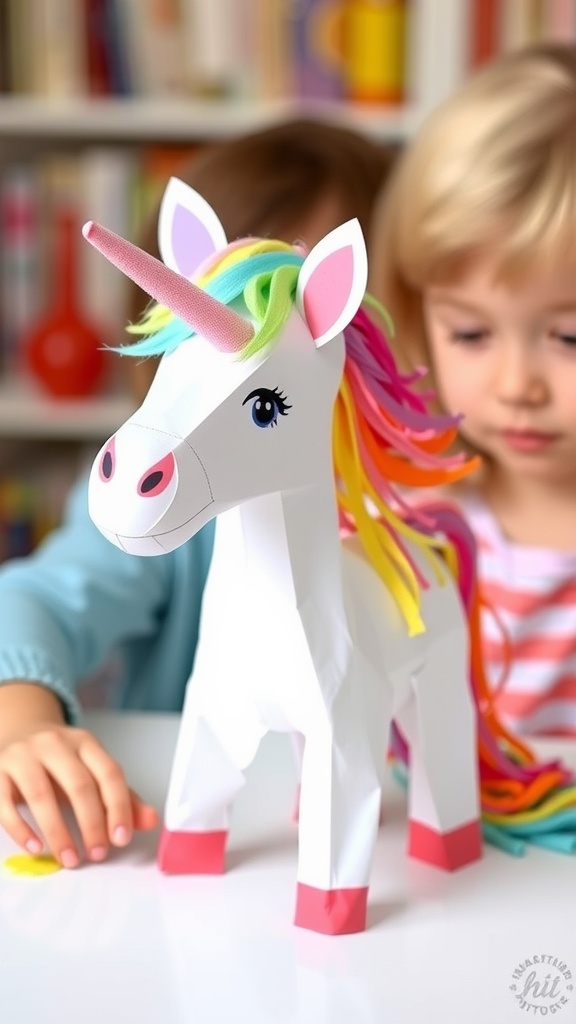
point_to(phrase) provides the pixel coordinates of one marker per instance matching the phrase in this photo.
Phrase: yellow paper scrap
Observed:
(33, 866)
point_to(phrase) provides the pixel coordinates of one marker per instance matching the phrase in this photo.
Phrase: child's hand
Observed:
(43, 762)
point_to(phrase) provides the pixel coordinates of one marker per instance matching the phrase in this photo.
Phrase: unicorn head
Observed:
(241, 405)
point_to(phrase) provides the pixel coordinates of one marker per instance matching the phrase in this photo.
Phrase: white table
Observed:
(119, 942)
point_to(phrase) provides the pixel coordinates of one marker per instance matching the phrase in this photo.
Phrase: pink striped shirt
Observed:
(533, 594)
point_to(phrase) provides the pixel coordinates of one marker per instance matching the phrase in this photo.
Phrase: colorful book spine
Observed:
(117, 50)
(316, 49)
(437, 51)
(272, 57)
(20, 278)
(97, 52)
(374, 50)
(32, 499)
(163, 48)
(520, 24)
(484, 36)
(559, 21)
(5, 69)
(106, 176)
(211, 46)
(21, 18)
(18, 504)
(153, 38)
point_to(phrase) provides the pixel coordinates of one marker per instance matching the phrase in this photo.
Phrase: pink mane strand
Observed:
(389, 432)
(368, 347)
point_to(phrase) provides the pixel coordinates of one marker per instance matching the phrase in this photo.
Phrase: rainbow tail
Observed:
(522, 800)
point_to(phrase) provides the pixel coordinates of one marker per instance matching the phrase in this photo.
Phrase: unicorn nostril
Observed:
(156, 479)
(151, 481)
(106, 468)
(107, 465)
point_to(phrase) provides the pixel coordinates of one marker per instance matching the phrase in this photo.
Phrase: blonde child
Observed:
(474, 256)
(79, 602)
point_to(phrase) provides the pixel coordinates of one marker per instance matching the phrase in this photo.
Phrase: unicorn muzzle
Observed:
(135, 491)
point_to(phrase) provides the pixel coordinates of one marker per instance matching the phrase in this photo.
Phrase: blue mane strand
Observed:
(226, 286)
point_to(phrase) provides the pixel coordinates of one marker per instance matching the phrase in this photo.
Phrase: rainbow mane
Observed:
(385, 439)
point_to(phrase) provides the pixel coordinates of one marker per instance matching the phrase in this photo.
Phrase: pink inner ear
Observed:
(328, 289)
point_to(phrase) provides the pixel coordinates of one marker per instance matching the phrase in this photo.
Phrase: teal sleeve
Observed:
(64, 609)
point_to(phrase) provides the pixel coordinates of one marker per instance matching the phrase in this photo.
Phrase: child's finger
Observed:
(12, 821)
(113, 789)
(83, 794)
(145, 816)
(37, 791)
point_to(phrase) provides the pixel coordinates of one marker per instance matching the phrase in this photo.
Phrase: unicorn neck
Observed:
(290, 541)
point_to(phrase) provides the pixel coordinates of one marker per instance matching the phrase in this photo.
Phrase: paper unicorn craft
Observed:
(278, 408)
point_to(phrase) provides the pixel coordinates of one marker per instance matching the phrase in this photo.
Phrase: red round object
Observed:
(65, 358)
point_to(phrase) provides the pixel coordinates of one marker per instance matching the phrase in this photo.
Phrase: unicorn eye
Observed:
(267, 405)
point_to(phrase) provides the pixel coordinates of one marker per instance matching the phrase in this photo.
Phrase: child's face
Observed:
(505, 357)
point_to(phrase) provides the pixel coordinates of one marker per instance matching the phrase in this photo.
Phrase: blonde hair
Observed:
(497, 160)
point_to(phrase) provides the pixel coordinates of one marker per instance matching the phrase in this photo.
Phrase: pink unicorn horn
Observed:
(219, 324)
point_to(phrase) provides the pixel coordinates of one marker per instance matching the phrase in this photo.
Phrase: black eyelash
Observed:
(281, 399)
(278, 395)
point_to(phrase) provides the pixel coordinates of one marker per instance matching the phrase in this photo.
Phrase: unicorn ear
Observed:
(332, 281)
(188, 229)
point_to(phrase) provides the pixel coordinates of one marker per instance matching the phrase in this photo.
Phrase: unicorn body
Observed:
(300, 630)
(298, 634)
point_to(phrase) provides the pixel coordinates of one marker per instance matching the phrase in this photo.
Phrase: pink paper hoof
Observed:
(191, 853)
(331, 911)
(447, 850)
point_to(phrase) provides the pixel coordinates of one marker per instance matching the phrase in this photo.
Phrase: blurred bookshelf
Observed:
(106, 97)
(27, 414)
(133, 119)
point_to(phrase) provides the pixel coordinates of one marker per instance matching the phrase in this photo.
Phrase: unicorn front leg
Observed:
(215, 743)
(439, 724)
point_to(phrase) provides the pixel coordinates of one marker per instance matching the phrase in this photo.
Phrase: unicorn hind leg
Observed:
(439, 724)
